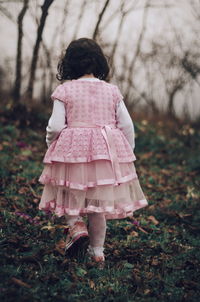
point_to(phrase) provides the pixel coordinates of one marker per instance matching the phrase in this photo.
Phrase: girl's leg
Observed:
(71, 220)
(97, 233)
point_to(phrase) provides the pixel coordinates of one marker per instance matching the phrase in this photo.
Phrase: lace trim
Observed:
(45, 179)
(109, 211)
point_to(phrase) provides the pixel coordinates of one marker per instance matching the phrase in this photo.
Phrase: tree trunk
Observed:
(114, 47)
(172, 95)
(18, 72)
(138, 48)
(124, 14)
(45, 7)
(80, 17)
(99, 19)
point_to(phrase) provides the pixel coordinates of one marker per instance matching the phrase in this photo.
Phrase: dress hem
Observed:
(109, 211)
(45, 179)
(84, 159)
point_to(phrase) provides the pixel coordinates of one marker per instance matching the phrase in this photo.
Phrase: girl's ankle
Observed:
(96, 251)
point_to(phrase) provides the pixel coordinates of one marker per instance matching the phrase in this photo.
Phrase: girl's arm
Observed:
(125, 124)
(57, 122)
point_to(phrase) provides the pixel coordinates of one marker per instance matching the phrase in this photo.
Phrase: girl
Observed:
(89, 166)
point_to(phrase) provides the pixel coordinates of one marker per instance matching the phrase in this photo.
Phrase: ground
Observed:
(153, 256)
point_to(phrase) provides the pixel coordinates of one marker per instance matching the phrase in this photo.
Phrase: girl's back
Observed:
(89, 100)
(90, 105)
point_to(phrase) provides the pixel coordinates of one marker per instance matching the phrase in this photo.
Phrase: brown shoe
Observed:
(76, 234)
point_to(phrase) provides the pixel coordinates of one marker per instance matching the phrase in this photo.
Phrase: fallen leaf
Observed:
(33, 192)
(146, 155)
(20, 282)
(153, 220)
(23, 190)
(155, 262)
(134, 234)
(182, 215)
(92, 284)
(149, 275)
(48, 227)
(142, 230)
(62, 226)
(166, 172)
(26, 153)
(35, 200)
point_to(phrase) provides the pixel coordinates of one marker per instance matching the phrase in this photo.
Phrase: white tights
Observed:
(97, 231)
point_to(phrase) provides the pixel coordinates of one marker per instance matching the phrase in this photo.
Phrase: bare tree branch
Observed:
(195, 9)
(124, 13)
(18, 75)
(45, 7)
(100, 19)
(191, 66)
(138, 8)
(62, 26)
(177, 35)
(6, 13)
(139, 43)
(80, 17)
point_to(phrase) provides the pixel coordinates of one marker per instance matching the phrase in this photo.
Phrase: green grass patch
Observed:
(153, 256)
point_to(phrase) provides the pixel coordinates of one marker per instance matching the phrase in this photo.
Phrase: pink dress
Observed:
(89, 166)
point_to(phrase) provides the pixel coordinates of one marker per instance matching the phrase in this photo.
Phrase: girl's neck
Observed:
(87, 76)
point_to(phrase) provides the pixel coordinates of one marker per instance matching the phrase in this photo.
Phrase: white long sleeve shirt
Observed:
(57, 122)
(125, 123)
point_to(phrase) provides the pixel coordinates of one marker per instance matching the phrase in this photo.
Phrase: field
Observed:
(153, 256)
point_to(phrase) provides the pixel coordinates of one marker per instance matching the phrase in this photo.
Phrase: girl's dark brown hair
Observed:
(82, 56)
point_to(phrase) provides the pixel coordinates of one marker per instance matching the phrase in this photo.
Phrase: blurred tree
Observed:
(18, 75)
(96, 30)
(191, 58)
(45, 8)
(129, 78)
(158, 68)
(79, 19)
(6, 12)
(124, 13)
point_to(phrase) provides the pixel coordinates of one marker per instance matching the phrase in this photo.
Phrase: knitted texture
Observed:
(93, 103)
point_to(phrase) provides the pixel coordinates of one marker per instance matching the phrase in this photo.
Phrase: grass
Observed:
(152, 257)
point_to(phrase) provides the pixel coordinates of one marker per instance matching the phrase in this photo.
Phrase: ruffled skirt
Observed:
(82, 188)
